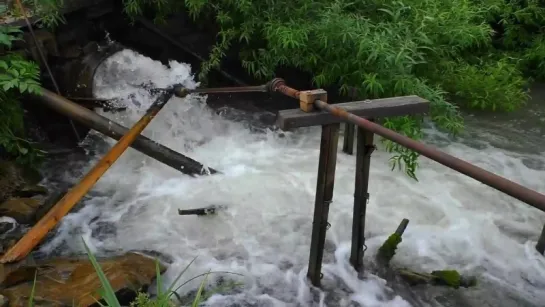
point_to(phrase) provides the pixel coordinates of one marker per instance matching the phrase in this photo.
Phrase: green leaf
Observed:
(109, 293)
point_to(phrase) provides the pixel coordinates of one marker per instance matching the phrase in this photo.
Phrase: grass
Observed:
(162, 299)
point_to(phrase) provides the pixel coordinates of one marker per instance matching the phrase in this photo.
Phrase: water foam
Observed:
(268, 184)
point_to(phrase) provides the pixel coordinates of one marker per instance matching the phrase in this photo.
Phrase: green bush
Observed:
(18, 76)
(456, 53)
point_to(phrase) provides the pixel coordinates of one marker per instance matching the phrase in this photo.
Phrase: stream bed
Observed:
(268, 184)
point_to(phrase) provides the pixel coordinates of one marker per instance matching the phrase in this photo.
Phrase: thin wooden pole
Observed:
(50, 220)
(324, 195)
(540, 246)
(348, 143)
(361, 196)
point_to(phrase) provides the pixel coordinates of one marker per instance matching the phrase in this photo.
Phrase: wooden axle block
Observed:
(307, 99)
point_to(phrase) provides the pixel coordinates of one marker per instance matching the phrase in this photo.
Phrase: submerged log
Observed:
(50, 220)
(213, 209)
(388, 249)
(107, 127)
(448, 278)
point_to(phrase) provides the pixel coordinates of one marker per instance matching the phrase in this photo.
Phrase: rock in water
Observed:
(13, 177)
(74, 282)
(3, 301)
(30, 190)
(23, 210)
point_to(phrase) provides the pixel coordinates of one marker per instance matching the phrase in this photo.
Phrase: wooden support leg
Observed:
(361, 196)
(540, 246)
(324, 195)
(348, 144)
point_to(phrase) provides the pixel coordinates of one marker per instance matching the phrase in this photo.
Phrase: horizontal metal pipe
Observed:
(107, 127)
(531, 197)
(181, 91)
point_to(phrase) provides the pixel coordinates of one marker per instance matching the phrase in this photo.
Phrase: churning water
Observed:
(268, 186)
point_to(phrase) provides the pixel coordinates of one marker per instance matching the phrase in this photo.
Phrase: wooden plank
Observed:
(377, 108)
(324, 194)
(361, 196)
(348, 143)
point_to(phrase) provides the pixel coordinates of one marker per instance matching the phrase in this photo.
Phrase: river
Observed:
(268, 186)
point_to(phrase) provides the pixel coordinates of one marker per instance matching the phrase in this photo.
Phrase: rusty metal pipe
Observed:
(531, 197)
(107, 127)
(36, 234)
(181, 91)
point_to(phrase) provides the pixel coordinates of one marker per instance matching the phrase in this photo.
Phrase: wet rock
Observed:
(4, 302)
(30, 190)
(74, 282)
(10, 232)
(23, 210)
(13, 177)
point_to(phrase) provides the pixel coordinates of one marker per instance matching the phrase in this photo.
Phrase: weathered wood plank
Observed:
(377, 108)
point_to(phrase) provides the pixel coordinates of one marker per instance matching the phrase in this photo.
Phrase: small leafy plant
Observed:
(18, 76)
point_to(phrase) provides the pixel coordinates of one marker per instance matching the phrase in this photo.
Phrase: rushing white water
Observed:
(268, 186)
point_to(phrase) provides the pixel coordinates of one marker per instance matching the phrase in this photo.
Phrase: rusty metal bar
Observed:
(324, 195)
(540, 246)
(112, 129)
(181, 91)
(348, 142)
(532, 198)
(361, 197)
(69, 200)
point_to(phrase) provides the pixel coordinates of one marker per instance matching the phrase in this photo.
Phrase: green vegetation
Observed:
(18, 76)
(162, 299)
(457, 53)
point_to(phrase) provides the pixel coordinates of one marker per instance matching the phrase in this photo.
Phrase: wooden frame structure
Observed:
(294, 118)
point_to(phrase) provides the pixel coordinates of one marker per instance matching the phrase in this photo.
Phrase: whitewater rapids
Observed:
(268, 185)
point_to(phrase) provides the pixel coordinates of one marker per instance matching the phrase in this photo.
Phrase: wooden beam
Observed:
(348, 143)
(361, 197)
(377, 108)
(324, 195)
(540, 246)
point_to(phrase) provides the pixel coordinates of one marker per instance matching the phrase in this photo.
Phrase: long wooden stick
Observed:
(50, 220)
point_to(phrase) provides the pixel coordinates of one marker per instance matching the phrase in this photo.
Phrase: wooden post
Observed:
(348, 144)
(540, 246)
(324, 195)
(361, 197)
(50, 220)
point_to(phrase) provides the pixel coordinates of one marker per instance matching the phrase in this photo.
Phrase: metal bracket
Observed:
(307, 99)
(369, 149)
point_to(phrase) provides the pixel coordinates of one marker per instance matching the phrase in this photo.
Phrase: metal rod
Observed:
(150, 26)
(361, 197)
(540, 246)
(50, 220)
(44, 60)
(532, 198)
(324, 195)
(109, 128)
(181, 91)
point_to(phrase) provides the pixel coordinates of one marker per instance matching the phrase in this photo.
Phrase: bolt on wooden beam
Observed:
(324, 195)
(361, 197)
(32, 238)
